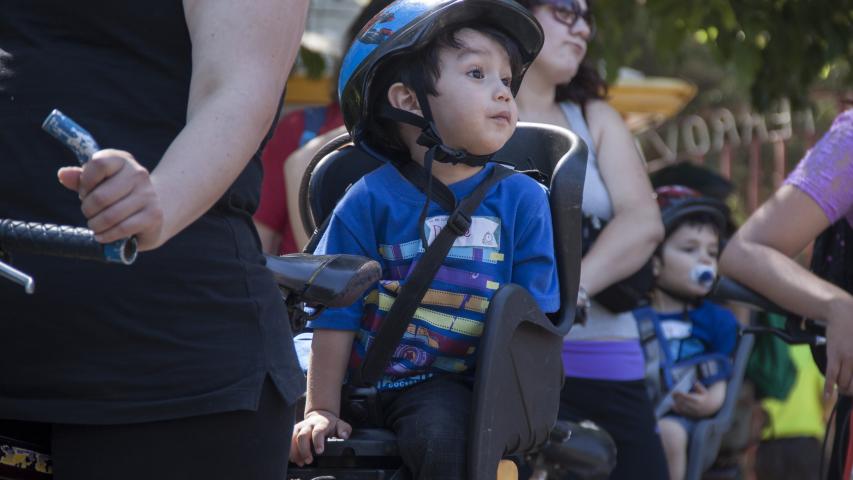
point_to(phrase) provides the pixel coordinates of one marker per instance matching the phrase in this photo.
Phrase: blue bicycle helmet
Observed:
(407, 25)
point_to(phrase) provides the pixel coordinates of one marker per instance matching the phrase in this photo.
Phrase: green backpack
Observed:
(770, 366)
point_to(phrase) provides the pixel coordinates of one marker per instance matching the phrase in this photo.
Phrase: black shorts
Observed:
(624, 410)
(239, 444)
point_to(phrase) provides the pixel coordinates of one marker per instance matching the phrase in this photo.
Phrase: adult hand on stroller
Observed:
(118, 198)
(313, 430)
(839, 348)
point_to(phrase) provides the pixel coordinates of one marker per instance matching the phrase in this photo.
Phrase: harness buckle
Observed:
(459, 222)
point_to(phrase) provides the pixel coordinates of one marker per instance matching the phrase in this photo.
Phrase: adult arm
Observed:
(629, 239)
(242, 53)
(294, 169)
(760, 255)
(271, 218)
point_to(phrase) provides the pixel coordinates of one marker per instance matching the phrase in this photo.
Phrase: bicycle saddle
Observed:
(329, 280)
(580, 450)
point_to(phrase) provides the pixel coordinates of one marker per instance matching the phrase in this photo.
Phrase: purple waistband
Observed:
(611, 360)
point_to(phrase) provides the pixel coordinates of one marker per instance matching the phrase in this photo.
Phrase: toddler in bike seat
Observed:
(428, 87)
(687, 339)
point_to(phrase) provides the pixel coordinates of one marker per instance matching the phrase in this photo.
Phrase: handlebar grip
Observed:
(72, 135)
(83, 144)
(63, 241)
(727, 289)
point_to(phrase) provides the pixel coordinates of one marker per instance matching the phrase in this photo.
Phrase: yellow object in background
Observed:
(305, 91)
(802, 413)
(643, 102)
(647, 102)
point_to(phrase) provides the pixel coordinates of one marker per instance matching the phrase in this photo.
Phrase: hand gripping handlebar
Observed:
(81, 142)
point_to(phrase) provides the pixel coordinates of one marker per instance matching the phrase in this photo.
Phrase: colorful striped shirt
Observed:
(510, 241)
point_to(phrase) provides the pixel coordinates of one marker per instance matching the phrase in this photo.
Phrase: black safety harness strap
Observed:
(417, 176)
(413, 290)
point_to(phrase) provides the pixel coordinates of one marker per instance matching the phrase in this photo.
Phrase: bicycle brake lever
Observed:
(793, 338)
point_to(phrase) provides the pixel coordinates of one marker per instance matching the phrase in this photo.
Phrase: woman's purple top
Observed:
(826, 172)
(619, 360)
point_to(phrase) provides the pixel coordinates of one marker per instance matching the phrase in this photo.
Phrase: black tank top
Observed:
(192, 327)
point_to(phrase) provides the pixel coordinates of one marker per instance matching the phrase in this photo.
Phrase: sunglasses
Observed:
(568, 12)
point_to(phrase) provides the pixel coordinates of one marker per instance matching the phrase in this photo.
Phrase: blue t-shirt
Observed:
(709, 328)
(510, 241)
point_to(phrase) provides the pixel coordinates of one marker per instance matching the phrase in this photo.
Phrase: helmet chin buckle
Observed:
(442, 153)
(429, 136)
(451, 155)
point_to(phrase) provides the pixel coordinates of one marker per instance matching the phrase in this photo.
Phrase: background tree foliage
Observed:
(770, 48)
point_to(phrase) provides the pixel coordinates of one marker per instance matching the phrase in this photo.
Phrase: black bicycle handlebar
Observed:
(795, 331)
(727, 289)
(63, 241)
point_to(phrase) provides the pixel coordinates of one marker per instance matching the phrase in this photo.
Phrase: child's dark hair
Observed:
(423, 63)
(586, 85)
(698, 219)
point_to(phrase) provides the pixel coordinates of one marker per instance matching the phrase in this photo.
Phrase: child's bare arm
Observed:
(701, 402)
(330, 352)
(716, 397)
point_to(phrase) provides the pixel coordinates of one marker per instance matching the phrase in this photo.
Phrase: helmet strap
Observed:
(428, 158)
(429, 136)
(437, 150)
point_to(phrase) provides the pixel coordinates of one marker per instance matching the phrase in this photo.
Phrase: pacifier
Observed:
(704, 275)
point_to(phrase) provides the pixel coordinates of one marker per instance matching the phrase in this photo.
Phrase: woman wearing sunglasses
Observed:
(603, 359)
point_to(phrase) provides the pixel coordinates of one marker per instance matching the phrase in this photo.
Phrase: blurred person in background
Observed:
(306, 131)
(790, 447)
(603, 359)
(814, 204)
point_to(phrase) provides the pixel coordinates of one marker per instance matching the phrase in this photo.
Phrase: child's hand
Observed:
(314, 429)
(695, 404)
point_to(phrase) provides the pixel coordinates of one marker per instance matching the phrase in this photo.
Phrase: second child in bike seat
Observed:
(695, 337)
(430, 83)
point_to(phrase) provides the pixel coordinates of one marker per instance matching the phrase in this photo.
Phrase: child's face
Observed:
(689, 246)
(474, 109)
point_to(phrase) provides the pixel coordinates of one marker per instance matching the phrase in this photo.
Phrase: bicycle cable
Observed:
(844, 429)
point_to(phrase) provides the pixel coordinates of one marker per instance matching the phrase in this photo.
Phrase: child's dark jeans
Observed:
(431, 421)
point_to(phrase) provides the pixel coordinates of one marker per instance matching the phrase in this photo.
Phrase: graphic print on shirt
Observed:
(446, 327)
(484, 232)
(682, 344)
